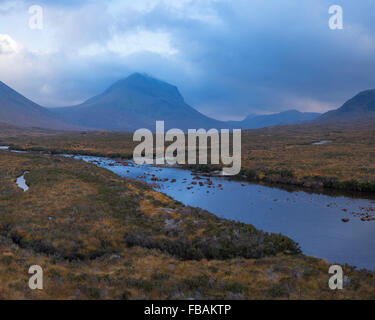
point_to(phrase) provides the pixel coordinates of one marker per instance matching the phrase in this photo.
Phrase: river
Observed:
(313, 220)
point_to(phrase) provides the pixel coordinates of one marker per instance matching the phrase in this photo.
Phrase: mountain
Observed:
(282, 118)
(361, 106)
(137, 102)
(17, 110)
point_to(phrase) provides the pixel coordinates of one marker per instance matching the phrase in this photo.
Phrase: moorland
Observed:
(281, 154)
(99, 236)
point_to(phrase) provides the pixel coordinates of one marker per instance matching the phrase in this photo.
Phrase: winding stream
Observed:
(313, 220)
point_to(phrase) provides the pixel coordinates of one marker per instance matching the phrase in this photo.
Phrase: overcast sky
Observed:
(229, 58)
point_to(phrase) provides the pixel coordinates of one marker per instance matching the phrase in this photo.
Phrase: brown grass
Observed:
(84, 255)
(288, 148)
(76, 219)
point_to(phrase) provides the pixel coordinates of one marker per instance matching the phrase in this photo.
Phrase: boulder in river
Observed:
(368, 218)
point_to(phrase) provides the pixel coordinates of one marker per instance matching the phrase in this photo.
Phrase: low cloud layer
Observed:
(229, 58)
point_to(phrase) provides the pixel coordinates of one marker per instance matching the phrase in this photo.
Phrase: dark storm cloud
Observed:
(229, 58)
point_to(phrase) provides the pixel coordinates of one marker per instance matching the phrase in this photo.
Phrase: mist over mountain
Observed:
(137, 102)
(361, 106)
(282, 118)
(17, 110)
(132, 103)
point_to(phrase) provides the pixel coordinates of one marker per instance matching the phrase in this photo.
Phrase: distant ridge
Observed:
(283, 118)
(17, 110)
(137, 102)
(361, 106)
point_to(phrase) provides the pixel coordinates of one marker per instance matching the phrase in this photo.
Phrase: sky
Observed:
(229, 58)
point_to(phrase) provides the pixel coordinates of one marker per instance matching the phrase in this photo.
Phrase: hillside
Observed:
(137, 102)
(283, 118)
(361, 106)
(17, 110)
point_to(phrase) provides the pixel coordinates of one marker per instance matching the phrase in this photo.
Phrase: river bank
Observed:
(334, 227)
(274, 177)
(320, 231)
(288, 178)
(100, 236)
